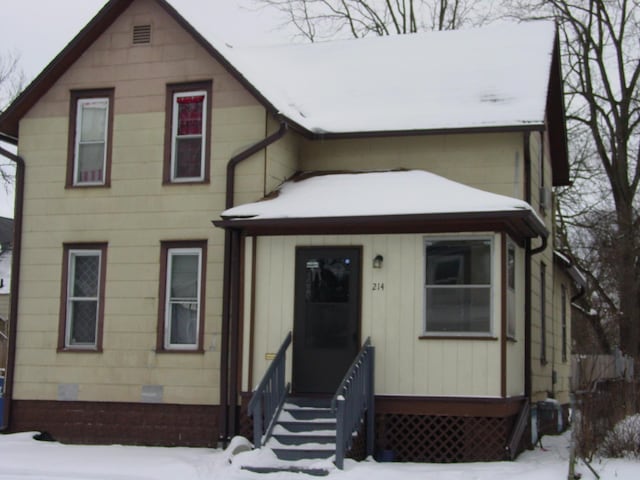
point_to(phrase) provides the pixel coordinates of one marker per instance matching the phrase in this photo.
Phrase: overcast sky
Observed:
(37, 30)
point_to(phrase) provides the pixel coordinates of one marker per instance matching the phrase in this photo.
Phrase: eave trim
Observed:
(519, 224)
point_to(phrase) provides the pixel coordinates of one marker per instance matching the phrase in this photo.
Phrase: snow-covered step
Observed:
(310, 413)
(305, 430)
(292, 454)
(301, 426)
(310, 437)
(316, 428)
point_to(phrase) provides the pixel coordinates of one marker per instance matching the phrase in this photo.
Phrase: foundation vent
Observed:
(141, 34)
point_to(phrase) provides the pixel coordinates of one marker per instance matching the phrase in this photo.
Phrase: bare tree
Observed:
(602, 86)
(328, 19)
(11, 78)
(11, 82)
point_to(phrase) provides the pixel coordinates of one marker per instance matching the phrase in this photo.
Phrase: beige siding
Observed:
(542, 371)
(491, 162)
(282, 159)
(133, 216)
(562, 387)
(393, 317)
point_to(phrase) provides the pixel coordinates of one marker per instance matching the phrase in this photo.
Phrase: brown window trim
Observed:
(172, 89)
(62, 324)
(73, 110)
(165, 246)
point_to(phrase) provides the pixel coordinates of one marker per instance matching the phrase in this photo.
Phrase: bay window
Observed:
(458, 287)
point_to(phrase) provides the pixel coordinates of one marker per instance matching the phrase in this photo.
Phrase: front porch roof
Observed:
(400, 201)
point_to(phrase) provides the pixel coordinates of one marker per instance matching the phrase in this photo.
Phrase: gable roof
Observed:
(500, 78)
(478, 78)
(399, 199)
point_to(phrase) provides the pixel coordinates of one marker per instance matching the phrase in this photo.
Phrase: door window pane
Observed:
(327, 280)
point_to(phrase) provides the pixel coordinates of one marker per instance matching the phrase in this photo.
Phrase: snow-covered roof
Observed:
(494, 76)
(357, 194)
(576, 275)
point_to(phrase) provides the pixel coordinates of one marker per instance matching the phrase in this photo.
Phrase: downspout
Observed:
(230, 290)
(527, 273)
(15, 283)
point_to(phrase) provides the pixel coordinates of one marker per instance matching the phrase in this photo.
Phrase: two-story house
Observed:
(397, 189)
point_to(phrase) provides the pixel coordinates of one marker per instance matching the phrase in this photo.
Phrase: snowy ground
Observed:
(22, 458)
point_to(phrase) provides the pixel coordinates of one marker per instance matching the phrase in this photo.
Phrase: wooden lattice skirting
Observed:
(443, 439)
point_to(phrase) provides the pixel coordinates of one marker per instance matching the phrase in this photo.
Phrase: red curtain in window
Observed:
(190, 115)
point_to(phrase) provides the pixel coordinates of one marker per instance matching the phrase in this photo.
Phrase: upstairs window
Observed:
(458, 287)
(90, 130)
(187, 143)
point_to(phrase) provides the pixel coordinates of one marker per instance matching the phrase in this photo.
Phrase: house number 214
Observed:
(376, 286)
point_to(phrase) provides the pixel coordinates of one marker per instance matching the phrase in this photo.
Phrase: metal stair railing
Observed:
(352, 400)
(269, 396)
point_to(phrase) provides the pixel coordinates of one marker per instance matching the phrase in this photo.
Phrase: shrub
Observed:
(624, 440)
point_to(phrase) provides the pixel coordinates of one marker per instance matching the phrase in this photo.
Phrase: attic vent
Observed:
(141, 34)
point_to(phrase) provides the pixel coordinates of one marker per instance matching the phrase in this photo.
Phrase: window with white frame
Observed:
(188, 136)
(182, 302)
(458, 286)
(91, 120)
(84, 295)
(511, 289)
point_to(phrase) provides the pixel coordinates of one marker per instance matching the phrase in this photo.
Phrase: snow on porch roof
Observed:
(386, 193)
(494, 76)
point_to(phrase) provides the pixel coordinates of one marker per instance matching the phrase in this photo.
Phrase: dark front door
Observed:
(327, 317)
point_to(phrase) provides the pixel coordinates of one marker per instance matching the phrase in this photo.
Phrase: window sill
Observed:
(206, 181)
(73, 187)
(177, 350)
(79, 350)
(457, 337)
(511, 339)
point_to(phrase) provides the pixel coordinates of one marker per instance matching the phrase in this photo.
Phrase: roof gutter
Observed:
(15, 283)
(246, 153)
(230, 297)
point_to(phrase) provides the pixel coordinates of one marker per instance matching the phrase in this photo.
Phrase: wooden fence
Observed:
(587, 370)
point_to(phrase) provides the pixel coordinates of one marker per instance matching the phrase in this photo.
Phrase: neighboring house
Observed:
(416, 211)
(6, 239)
